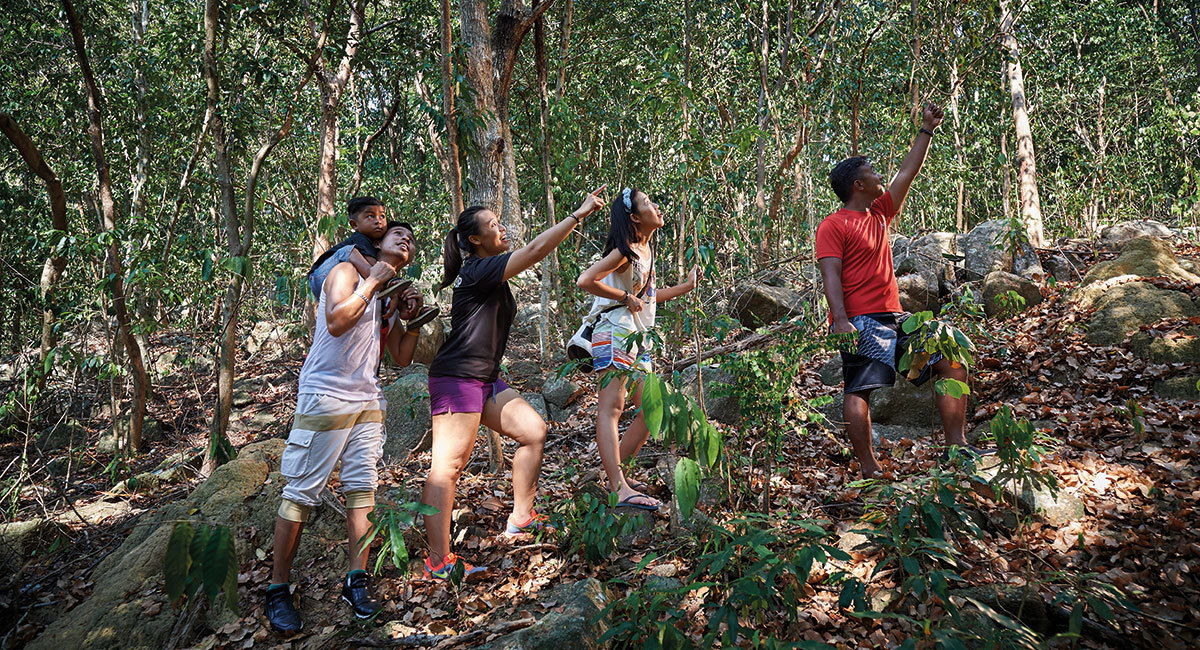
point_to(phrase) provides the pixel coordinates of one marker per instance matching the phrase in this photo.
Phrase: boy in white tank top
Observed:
(339, 416)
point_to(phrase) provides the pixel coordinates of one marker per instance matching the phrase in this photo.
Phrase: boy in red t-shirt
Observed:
(856, 264)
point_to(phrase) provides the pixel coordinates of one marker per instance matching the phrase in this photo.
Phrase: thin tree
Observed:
(1031, 204)
(108, 212)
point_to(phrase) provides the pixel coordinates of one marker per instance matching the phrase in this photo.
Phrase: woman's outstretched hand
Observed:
(591, 203)
(693, 277)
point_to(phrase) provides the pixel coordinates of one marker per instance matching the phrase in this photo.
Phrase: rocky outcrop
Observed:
(983, 250)
(432, 336)
(759, 304)
(919, 292)
(272, 338)
(408, 420)
(1126, 307)
(560, 391)
(720, 402)
(573, 624)
(1126, 230)
(996, 286)
(242, 494)
(1146, 257)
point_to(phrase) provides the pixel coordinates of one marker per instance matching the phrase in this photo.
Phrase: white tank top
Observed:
(639, 272)
(344, 366)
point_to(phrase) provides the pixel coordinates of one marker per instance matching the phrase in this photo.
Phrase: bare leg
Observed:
(287, 540)
(610, 404)
(513, 417)
(357, 526)
(453, 438)
(856, 409)
(953, 410)
(637, 434)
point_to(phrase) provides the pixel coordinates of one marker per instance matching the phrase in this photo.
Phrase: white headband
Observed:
(625, 198)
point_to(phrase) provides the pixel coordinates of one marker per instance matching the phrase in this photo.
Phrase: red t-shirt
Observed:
(860, 240)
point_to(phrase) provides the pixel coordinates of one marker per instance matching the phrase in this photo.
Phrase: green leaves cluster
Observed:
(675, 418)
(201, 559)
(388, 523)
(929, 337)
(594, 527)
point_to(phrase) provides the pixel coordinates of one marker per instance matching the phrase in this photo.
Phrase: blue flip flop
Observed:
(628, 503)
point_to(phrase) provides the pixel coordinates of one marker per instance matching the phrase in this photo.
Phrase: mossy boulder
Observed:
(760, 304)
(1126, 307)
(1185, 387)
(1145, 257)
(1182, 346)
(243, 494)
(1126, 230)
(574, 624)
(996, 286)
(408, 419)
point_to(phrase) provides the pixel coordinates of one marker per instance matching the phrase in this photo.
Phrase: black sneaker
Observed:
(281, 612)
(355, 591)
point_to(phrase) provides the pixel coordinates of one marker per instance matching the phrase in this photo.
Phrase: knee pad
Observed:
(292, 511)
(360, 499)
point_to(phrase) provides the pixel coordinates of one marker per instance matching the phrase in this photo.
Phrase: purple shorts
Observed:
(461, 395)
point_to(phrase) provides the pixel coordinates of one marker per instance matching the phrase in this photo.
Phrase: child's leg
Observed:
(608, 413)
(637, 434)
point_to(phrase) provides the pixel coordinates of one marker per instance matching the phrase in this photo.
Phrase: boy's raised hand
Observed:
(693, 277)
(381, 272)
(932, 116)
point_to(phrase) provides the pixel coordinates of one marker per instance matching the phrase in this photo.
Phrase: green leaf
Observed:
(1076, 625)
(196, 558)
(652, 404)
(687, 486)
(177, 562)
(218, 555)
(399, 550)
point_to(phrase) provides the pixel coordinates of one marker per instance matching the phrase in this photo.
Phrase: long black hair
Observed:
(622, 232)
(458, 240)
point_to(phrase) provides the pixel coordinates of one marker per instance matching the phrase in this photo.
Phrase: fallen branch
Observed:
(747, 343)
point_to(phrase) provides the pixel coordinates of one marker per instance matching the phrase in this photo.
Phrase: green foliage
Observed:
(388, 523)
(1010, 303)
(201, 559)
(755, 571)
(595, 526)
(676, 419)
(764, 380)
(1020, 449)
(930, 337)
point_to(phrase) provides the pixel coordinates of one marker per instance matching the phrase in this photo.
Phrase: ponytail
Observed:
(458, 240)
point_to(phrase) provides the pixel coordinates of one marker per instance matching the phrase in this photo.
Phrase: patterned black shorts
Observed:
(881, 344)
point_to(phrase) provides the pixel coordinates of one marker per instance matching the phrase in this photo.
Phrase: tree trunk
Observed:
(333, 86)
(239, 234)
(454, 171)
(960, 223)
(389, 115)
(1031, 205)
(55, 263)
(549, 269)
(485, 164)
(1092, 212)
(137, 369)
(219, 448)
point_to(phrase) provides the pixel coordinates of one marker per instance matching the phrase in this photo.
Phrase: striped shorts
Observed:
(326, 430)
(619, 347)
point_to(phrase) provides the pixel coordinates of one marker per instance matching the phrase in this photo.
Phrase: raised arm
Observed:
(831, 274)
(670, 293)
(344, 304)
(536, 250)
(931, 117)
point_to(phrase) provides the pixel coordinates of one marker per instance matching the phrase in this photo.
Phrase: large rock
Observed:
(919, 292)
(574, 623)
(927, 254)
(243, 494)
(408, 419)
(899, 405)
(538, 403)
(1056, 509)
(21, 539)
(64, 434)
(759, 304)
(983, 250)
(1064, 266)
(1126, 230)
(720, 399)
(1126, 307)
(1145, 257)
(1182, 346)
(999, 283)
(274, 338)
(1185, 387)
(433, 335)
(560, 391)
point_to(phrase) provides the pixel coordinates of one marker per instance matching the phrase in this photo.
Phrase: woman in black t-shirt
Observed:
(465, 389)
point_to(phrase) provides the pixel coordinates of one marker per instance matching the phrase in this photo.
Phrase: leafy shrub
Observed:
(201, 559)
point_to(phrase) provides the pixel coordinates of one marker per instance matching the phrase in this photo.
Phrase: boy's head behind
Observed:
(367, 216)
(854, 175)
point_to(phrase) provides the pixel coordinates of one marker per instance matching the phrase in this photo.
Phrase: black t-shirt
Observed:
(481, 315)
